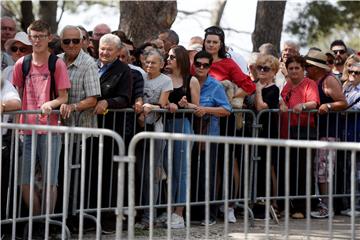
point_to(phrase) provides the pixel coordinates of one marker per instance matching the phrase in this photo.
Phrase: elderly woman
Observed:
(186, 88)
(17, 47)
(157, 88)
(299, 94)
(266, 97)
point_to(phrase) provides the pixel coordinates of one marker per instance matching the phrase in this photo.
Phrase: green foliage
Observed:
(318, 20)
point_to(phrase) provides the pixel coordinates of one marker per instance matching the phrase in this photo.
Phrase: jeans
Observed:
(179, 161)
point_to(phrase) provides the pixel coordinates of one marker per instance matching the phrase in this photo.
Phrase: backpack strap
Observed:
(25, 70)
(52, 67)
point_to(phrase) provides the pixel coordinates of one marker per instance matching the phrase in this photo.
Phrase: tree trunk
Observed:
(217, 12)
(143, 19)
(47, 12)
(268, 23)
(27, 14)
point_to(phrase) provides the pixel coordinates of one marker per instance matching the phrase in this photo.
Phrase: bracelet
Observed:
(3, 106)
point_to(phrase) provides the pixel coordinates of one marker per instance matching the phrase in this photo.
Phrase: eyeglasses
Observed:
(214, 30)
(339, 51)
(74, 41)
(354, 72)
(5, 28)
(39, 37)
(21, 49)
(172, 57)
(203, 65)
(263, 68)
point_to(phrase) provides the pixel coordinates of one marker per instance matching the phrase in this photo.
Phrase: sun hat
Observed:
(19, 37)
(317, 59)
(330, 53)
(195, 47)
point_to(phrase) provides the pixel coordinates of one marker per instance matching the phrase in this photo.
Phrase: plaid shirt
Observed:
(84, 77)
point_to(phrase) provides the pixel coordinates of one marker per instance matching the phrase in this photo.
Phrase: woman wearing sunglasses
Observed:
(299, 94)
(17, 47)
(186, 87)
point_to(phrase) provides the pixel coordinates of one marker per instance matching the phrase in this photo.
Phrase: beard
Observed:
(339, 61)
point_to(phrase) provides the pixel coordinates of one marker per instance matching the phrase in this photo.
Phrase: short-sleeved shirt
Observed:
(212, 94)
(8, 92)
(154, 87)
(84, 78)
(305, 91)
(36, 89)
(352, 94)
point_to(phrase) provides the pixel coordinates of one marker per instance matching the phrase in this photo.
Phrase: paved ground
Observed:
(297, 230)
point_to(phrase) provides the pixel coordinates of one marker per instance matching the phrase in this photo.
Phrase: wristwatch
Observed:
(328, 105)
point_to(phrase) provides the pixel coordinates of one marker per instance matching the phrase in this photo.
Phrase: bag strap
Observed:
(355, 102)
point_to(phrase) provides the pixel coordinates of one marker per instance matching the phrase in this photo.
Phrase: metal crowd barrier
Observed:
(17, 218)
(286, 231)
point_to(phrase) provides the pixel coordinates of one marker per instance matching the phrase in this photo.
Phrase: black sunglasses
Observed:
(354, 72)
(288, 96)
(263, 68)
(199, 65)
(21, 49)
(339, 51)
(68, 41)
(172, 57)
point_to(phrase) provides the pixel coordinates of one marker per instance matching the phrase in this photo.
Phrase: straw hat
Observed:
(19, 37)
(317, 59)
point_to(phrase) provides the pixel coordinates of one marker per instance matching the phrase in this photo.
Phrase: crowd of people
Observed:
(84, 74)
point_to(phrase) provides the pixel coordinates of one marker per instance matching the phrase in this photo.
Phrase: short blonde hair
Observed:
(353, 58)
(266, 58)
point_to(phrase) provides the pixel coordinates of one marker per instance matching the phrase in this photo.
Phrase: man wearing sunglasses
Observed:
(339, 49)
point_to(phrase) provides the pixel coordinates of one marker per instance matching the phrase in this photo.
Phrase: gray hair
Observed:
(293, 44)
(154, 52)
(70, 27)
(112, 39)
(122, 46)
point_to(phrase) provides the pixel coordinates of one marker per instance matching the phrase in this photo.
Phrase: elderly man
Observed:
(98, 31)
(8, 31)
(331, 99)
(85, 85)
(289, 49)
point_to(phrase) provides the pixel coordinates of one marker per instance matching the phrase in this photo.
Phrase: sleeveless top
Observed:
(327, 122)
(176, 95)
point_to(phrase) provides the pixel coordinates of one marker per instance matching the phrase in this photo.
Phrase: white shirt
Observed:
(8, 92)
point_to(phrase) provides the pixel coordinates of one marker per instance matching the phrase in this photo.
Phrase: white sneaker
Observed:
(231, 215)
(347, 212)
(177, 221)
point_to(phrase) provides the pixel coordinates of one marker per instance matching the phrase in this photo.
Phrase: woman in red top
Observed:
(223, 67)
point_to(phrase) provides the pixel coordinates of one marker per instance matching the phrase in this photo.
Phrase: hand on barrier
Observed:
(46, 108)
(101, 107)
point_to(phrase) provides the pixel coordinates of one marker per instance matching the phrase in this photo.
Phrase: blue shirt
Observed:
(212, 94)
(103, 68)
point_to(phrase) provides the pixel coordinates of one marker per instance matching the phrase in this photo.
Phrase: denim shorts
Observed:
(41, 149)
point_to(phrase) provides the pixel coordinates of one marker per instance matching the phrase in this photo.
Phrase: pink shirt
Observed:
(306, 91)
(37, 89)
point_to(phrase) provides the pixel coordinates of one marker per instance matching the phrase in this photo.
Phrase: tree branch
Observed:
(62, 12)
(193, 12)
(237, 31)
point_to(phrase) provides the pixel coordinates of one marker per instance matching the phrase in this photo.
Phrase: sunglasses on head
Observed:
(263, 68)
(68, 41)
(21, 49)
(354, 72)
(199, 65)
(214, 30)
(339, 51)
